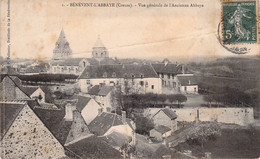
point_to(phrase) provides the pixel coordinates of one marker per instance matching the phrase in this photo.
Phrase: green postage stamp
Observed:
(239, 22)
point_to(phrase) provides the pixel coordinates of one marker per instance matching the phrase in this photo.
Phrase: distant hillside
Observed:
(233, 72)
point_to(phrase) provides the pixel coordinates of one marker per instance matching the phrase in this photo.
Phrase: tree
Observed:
(203, 133)
(143, 125)
(180, 98)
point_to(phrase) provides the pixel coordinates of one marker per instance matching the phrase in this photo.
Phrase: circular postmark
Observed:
(238, 26)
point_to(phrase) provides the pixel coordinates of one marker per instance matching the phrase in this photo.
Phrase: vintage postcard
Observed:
(160, 79)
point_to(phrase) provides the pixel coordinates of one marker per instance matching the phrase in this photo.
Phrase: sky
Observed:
(174, 33)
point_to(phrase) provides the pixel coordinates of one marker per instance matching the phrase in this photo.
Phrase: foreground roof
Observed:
(8, 113)
(118, 71)
(54, 121)
(93, 147)
(100, 125)
(116, 139)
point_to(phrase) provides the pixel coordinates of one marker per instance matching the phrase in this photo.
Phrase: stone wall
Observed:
(240, 116)
(27, 137)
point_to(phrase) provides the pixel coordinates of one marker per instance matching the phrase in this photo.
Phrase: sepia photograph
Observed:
(129, 79)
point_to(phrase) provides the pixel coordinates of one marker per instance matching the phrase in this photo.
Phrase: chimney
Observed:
(123, 117)
(182, 69)
(69, 108)
(100, 110)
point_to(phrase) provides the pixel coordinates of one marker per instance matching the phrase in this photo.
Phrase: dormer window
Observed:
(142, 76)
(105, 74)
(114, 74)
(133, 76)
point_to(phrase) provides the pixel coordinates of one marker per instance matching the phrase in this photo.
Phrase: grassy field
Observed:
(236, 143)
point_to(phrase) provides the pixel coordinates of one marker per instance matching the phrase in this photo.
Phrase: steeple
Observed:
(62, 47)
(99, 50)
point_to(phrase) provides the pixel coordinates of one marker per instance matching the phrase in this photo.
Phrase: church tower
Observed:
(99, 50)
(62, 48)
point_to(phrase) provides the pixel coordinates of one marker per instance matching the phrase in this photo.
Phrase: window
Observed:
(162, 75)
(88, 81)
(169, 83)
(146, 84)
(152, 86)
(174, 84)
(142, 76)
(169, 76)
(62, 69)
(195, 89)
(82, 129)
(69, 69)
(141, 83)
(185, 88)
(133, 76)
(162, 82)
(84, 64)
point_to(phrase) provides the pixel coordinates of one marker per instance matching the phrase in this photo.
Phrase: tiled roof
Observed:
(100, 90)
(162, 129)
(29, 90)
(82, 101)
(93, 147)
(187, 80)
(118, 71)
(16, 85)
(94, 90)
(169, 113)
(100, 125)
(105, 90)
(116, 139)
(53, 120)
(8, 113)
(169, 68)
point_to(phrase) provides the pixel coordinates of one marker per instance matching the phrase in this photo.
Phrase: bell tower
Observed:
(99, 50)
(62, 47)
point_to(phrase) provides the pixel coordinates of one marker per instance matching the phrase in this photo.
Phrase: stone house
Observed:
(102, 94)
(24, 135)
(10, 90)
(176, 78)
(67, 125)
(187, 83)
(160, 132)
(131, 78)
(106, 123)
(88, 107)
(165, 117)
